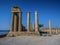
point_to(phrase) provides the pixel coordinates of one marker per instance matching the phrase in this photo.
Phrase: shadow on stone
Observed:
(3, 35)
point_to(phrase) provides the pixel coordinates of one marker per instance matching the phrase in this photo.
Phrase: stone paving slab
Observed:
(30, 40)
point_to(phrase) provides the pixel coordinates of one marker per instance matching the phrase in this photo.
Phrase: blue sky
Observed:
(47, 9)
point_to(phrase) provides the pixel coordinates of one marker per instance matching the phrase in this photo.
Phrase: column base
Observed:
(13, 34)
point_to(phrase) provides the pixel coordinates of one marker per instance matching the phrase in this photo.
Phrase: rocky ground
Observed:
(30, 40)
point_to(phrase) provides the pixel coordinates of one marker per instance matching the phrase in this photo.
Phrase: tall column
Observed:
(36, 21)
(50, 27)
(28, 21)
(12, 24)
(17, 18)
(20, 22)
(15, 22)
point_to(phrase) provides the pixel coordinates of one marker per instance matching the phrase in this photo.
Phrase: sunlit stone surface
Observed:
(30, 40)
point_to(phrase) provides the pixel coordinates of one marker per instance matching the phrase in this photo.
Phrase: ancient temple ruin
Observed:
(17, 27)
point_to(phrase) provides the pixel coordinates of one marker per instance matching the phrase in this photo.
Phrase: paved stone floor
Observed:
(30, 40)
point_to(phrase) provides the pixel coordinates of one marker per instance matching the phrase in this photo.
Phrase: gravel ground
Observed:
(30, 40)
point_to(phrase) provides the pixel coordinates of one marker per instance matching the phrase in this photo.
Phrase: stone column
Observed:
(50, 27)
(56, 31)
(28, 21)
(36, 21)
(20, 22)
(15, 22)
(12, 24)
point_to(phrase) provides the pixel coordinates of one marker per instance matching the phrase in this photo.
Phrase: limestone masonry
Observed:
(17, 27)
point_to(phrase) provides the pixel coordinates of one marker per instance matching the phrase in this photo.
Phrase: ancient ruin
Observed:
(17, 27)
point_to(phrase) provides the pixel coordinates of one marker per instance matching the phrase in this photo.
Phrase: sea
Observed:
(4, 31)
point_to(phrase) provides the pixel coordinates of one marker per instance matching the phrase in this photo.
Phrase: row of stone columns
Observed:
(17, 20)
(50, 28)
(36, 21)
